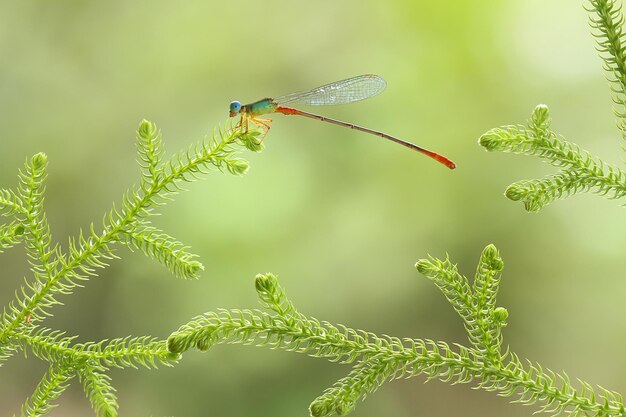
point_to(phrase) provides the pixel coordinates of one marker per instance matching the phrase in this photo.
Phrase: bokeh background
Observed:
(341, 217)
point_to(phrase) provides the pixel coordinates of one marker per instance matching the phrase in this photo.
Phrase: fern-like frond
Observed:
(163, 248)
(476, 305)
(607, 21)
(91, 251)
(318, 339)
(579, 172)
(98, 388)
(43, 258)
(57, 273)
(485, 289)
(294, 331)
(365, 378)
(218, 152)
(51, 386)
(37, 236)
(538, 193)
(382, 358)
(455, 288)
(553, 392)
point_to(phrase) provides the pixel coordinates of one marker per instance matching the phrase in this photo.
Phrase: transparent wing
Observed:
(340, 92)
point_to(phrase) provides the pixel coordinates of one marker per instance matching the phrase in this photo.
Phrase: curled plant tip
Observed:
(492, 256)
(272, 296)
(524, 191)
(39, 160)
(177, 345)
(426, 267)
(269, 291)
(237, 166)
(492, 141)
(538, 193)
(517, 191)
(266, 285)
(195, 268)
(500, 314)
(322, 407)
(205, 343)
(518, 139)
(201, 335)
(540, 119)
(147, 130)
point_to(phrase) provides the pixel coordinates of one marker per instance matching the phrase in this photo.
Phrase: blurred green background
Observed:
(341, 217)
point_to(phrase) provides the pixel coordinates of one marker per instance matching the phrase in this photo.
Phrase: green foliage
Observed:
(98, 389)
(580, 171)
(10, 235)
(607, 21)
(375, 360)
(378, 359)
(57, 272)
(476, 305)
(51, 386)
(165, 249)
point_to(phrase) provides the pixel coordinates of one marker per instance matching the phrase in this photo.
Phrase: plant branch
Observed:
(607, 21)
(93, 251)
(580, 172)
(383, 358)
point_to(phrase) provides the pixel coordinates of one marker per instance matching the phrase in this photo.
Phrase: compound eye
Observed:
(235, 106)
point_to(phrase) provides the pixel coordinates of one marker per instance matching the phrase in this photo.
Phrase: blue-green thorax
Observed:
(260, 107)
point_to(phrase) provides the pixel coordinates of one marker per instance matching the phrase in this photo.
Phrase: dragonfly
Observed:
(345, 91)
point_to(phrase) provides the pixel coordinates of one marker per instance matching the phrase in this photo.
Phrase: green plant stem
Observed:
(53, 349)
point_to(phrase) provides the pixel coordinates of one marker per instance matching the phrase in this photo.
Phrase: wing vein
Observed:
(340, 92)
